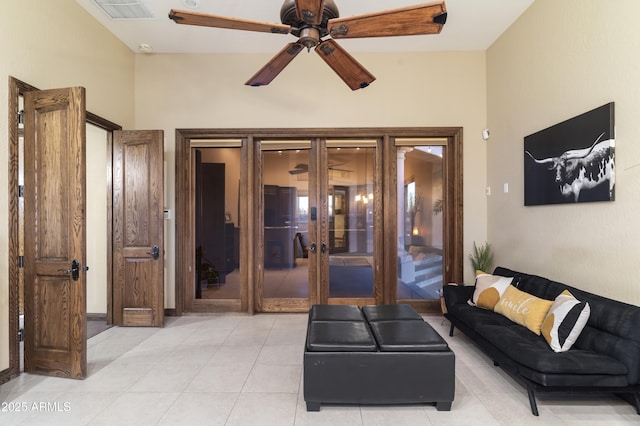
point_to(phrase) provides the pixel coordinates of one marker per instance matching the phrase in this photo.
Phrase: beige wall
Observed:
(419, 89)
(563, 58)
(56, 44)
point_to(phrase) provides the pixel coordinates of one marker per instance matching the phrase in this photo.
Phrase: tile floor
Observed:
(247, 370)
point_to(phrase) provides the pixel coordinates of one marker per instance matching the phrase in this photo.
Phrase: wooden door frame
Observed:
(17, 88)
(386, 165)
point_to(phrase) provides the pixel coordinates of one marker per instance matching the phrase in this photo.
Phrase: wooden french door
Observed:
(312, 201)
(55, 233)
(138, 228)
(287, 223)
(351, 208)
(265, 255)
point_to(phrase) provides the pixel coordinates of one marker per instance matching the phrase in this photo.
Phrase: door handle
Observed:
(75, 270)
(312, 248)
(323, 248)
(155, 252)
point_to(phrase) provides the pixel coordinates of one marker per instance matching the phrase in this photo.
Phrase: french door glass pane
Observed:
(420, 222)
(350, 205)
(217, 223)
(286, 230)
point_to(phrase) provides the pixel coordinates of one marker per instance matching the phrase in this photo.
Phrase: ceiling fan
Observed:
(316, 23)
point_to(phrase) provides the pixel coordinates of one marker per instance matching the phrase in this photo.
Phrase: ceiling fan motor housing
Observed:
(288, 16)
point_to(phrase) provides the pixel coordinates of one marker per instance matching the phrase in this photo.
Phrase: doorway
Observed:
(420, 231)
(339, 225)
(99, 137)
(287, 279)
(305, 213)
(316, 207)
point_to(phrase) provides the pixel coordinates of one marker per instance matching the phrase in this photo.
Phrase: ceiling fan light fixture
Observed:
(191, 4)
(145, 48)
(309, 37)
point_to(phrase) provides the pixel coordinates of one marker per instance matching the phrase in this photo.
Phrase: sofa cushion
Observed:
(489, 289)
(564, 321)
(532, 284)
(523, 308)
(474, 317)
(533, 351)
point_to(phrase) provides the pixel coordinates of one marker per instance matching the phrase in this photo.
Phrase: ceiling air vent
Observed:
(124, 9)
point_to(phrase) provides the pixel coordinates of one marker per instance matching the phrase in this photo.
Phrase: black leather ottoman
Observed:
(384, 354)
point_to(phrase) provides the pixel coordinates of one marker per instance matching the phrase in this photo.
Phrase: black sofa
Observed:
(380, 354)
(604, 359)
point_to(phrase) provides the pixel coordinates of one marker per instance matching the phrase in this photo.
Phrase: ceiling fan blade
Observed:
(428, 18)
(206, 20)
(310, 11)
(275, 65)
(345, 65)
(297, 171)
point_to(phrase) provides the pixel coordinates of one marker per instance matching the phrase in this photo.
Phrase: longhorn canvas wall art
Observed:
(573, 161)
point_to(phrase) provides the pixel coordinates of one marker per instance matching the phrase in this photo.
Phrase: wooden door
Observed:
(138, 228)
(287, 280)
(55, 236)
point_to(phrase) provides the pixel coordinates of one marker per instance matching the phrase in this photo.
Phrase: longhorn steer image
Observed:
(579, 169)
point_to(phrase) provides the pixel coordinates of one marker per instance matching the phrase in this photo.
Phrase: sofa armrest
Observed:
(455, 294)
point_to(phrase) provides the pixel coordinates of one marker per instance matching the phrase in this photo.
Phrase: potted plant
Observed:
(482, 257)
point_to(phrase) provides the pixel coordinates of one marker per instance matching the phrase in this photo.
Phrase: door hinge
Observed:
(21, 116)
(20, 261)
(20, 191)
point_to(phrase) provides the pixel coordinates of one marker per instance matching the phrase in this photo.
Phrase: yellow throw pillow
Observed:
(523, 308)
(489, 289)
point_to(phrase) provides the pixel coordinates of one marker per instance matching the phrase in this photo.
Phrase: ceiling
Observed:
(471, 25)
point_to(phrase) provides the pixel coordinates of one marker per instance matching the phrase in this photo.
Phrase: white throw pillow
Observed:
(489, 289)
(564, 321)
